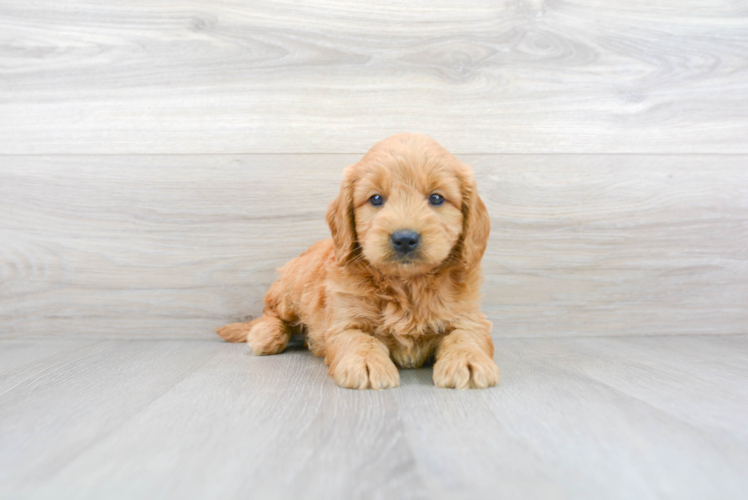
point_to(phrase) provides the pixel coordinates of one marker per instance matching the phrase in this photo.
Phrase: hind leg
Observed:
(269, 335)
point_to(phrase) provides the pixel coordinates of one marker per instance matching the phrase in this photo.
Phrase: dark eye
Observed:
(376, 200)
(436, 199)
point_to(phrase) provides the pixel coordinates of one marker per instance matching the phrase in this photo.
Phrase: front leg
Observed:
(357, 360)
(465, 358)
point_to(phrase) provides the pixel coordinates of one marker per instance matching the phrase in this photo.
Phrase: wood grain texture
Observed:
(171, 246)
(335, 76)
(573, 418)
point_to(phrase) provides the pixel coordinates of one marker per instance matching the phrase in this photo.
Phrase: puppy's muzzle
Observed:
(405, 241)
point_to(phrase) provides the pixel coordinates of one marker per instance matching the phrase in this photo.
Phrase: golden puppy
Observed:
(399, 281)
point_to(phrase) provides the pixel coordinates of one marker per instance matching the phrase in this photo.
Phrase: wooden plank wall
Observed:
(159, 159)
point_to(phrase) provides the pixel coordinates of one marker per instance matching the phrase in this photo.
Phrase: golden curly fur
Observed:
(366, 307)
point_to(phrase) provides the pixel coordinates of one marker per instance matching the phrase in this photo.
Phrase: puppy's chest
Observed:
(412, 331)
(403, 316)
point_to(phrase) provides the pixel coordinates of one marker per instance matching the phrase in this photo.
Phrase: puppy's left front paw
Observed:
(462, 369)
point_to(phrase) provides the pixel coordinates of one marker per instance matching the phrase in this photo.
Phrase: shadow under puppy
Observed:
(399, 281)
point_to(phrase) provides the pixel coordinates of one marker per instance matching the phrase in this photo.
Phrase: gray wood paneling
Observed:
(171, 246)
(335, 76)
(572, 418)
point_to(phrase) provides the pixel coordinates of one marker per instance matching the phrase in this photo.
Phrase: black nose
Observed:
(405, 240)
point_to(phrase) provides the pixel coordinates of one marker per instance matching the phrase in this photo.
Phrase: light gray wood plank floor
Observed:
(647, 417)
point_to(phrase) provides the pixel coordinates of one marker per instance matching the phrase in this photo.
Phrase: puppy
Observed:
(398, 283)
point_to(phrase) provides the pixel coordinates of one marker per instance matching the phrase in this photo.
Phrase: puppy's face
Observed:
(408, 214)
(407, 206)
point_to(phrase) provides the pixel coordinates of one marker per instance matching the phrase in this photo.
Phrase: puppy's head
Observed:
(408, 207)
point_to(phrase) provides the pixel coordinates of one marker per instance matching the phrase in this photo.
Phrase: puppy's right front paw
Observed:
(371, 370)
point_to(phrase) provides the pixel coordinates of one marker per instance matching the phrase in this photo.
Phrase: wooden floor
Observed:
(647, 417)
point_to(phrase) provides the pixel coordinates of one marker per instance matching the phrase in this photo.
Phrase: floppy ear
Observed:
(340, 218)
(476, 225)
